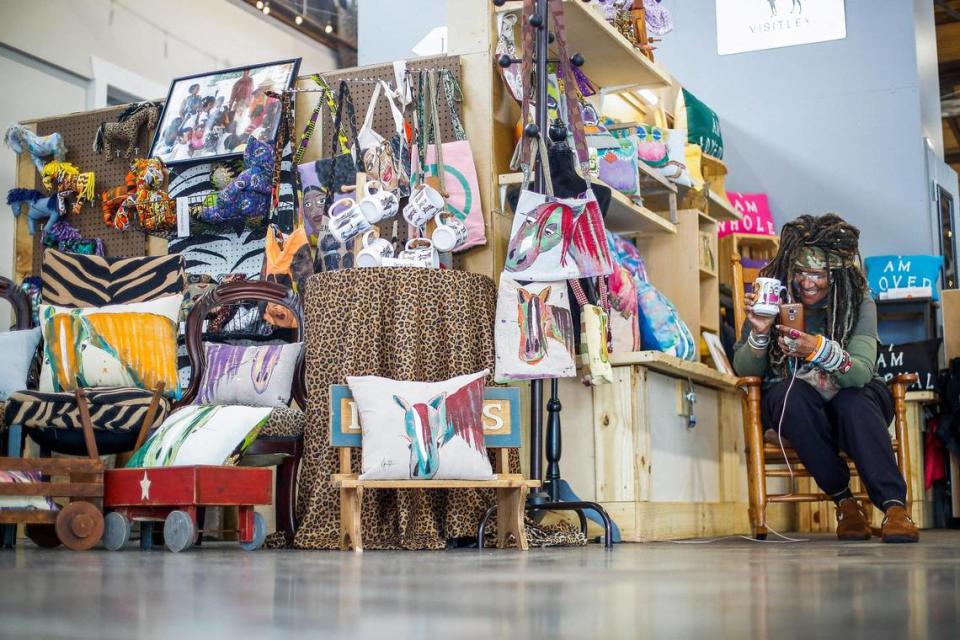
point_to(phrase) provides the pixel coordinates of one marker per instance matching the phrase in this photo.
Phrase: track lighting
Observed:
(328, 28)
(298, 19)
(260, 5)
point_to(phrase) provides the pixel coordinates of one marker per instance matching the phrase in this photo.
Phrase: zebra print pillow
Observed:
(74, 280)
(118, 409)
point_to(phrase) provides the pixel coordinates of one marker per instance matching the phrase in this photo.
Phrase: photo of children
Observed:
(212, 115)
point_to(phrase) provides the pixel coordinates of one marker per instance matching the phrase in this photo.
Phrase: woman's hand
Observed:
(796, 343)
(760, 325)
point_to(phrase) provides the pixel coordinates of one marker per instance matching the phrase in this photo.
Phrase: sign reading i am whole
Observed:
(754, 25)
(755, 209)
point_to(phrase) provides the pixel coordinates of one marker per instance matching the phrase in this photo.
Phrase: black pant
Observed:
(855, 420)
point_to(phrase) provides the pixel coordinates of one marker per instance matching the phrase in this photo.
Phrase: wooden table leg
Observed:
(510, 512)
(351, 500)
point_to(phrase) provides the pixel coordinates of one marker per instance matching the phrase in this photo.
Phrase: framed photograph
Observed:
(717, 354)
(210, 116)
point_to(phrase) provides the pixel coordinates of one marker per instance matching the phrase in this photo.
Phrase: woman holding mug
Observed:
(821, 391)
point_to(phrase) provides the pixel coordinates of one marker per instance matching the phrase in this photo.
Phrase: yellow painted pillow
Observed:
(127, 345)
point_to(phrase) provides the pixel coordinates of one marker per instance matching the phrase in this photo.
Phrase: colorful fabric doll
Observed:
(248, 195)
(148, 203)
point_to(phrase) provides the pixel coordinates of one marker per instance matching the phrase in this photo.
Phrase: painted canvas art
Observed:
(534, 331)
(422, 430)
(132, 345)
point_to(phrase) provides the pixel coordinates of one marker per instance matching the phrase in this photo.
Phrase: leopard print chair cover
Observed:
(402, 323)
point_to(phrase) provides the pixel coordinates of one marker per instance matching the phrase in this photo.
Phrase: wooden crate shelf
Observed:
(611, 60)
(676, 368)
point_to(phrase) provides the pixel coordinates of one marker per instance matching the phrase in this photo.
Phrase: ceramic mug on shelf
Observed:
(768, 292)
(377, 203)
(450, 233)
(424, 205)
(346, 220)
(374, 250)
(421, 252)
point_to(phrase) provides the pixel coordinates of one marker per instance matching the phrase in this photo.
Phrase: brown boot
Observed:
(851, 521)
(898, 527)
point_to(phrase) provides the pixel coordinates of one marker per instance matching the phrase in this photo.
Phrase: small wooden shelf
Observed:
(675, 367)
(706, 274)
(623, 215)
(611, 60)
(720, 209)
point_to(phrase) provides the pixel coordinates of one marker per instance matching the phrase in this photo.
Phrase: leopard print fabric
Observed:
(401, 323)
(284, 422)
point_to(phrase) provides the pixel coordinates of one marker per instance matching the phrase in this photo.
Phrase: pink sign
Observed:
(757, 219)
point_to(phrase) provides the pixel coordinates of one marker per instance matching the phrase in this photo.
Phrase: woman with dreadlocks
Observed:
(821, 390)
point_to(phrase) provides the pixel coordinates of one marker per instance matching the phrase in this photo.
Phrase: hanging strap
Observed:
(453, 94)
(283, 137)
(326, 97)
(366, 129)
(566, 76)
(578, 293)
(440, 171)
(394, 110)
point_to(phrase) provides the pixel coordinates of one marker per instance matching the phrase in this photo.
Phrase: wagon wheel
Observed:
(80, 526)
(259, 534)
(179, 531)
(116, 531)
(43, 535)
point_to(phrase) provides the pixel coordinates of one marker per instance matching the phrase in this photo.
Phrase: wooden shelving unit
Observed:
(624, 215)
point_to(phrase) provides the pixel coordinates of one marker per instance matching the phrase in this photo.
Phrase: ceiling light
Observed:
(648, 96)
(328, 28)
(266, 9)
(260, 5)
(298, 19)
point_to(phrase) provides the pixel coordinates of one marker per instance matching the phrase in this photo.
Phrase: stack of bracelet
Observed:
(830, 356)
(758, 341)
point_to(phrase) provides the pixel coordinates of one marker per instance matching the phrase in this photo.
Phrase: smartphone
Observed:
(791, 315)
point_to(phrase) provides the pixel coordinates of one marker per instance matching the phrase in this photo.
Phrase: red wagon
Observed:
(172, 495)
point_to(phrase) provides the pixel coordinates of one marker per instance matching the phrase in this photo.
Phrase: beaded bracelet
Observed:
(816, 353)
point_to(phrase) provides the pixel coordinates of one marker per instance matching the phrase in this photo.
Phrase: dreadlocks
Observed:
(840, 241)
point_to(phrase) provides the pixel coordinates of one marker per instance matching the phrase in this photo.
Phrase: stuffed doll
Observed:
(247, 195)
(146, 201)
(74, 190)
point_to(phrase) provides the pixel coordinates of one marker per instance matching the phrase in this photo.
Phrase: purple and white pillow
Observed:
(257, 376)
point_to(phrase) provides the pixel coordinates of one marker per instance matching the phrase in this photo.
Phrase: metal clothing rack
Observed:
(548, 499)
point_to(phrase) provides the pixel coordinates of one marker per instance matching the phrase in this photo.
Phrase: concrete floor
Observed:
(728, 589)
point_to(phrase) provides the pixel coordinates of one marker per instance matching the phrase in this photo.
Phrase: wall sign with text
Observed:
(754, 25)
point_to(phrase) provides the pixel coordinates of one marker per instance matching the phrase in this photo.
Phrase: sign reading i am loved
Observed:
(755, 209)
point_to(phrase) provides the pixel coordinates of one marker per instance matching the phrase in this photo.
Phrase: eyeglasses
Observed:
(812, 276)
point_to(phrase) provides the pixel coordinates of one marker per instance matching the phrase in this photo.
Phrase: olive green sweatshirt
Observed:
(862, 347)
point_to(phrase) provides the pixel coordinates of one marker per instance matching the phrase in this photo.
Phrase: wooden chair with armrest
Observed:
(766, 459)
(280, 443)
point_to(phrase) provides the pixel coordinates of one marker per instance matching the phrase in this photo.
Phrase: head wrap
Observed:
(818, 259)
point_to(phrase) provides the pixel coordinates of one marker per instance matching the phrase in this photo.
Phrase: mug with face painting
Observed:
(346, 220)
(421, 252)
(374, 250)
(768, 292)
(450, 233)
(424, 205)
(378, 203)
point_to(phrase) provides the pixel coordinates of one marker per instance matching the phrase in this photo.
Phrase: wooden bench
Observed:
(501, 430)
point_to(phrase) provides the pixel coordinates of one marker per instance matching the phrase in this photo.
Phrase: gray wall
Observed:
(388, 29)
(834, 126)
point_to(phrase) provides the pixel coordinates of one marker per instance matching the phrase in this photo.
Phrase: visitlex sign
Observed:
(755, 209)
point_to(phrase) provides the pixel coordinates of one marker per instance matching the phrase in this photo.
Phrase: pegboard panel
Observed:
(362, 82)
(78, 131)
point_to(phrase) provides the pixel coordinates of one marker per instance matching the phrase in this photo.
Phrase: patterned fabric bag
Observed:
(594, 335)
(534, 331)
(288, 262)
(379, 154)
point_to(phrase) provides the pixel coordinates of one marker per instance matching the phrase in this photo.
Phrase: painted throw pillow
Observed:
(124, 345)
(37, 503)
(18, 349)
(422, 430)
(202, 434)
(898, 272)
(257, 376)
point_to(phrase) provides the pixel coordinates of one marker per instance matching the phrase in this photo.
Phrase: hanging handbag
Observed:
(506, 45)
(287, 262)
(451, 161)
(534, 336)
(378, 153)
(594, 335)
(624, 323)
(319, 178)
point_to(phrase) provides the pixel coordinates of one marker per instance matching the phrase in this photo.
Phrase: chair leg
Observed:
(286, 498)
(510, 512)
(756, 464)
(351, 501)
(899, 391)
(14, 450)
